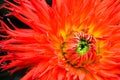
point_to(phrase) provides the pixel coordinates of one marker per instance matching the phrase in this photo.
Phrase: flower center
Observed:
(83, 47)
(79, 50)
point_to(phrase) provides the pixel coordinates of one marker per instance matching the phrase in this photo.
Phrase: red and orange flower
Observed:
(71, 40)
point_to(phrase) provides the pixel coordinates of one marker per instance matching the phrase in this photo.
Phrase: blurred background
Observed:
(4, 75)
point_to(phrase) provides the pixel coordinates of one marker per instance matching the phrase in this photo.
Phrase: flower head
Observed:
(71, 40)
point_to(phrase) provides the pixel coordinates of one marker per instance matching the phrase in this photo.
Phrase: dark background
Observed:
(4, 75)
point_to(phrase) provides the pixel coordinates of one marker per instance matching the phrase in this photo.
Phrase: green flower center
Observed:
(83, 47)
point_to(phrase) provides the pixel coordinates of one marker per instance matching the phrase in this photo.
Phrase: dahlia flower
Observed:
(70, 40)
